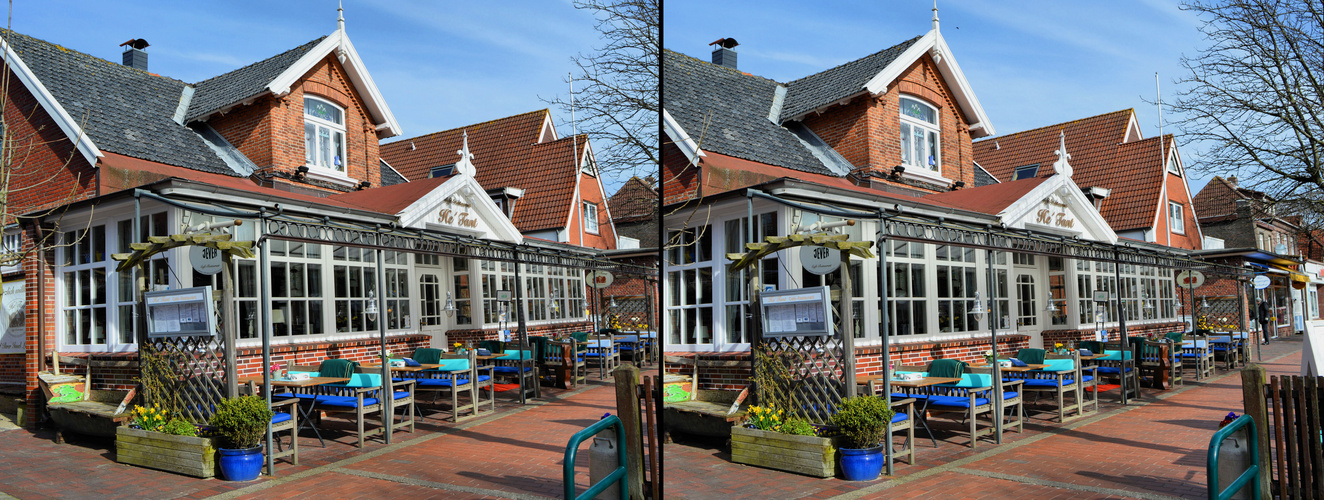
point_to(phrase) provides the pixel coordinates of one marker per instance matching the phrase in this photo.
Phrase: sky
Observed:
(1030, 63)
(439, 65)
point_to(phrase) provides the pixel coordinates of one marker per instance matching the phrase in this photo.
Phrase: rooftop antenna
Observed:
(935, 15)
(574, 127)
(1163, 161)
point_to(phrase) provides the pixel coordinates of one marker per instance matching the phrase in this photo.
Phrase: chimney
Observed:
(1233, 181)
(134, 55)
(722, 53)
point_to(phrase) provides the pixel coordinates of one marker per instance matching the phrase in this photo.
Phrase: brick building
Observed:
(351, 251)
(886, 141)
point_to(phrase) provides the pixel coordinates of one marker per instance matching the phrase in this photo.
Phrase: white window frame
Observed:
(11, 244)
(1176, 219)
(932, 139)
(590, 217)
(329, 172)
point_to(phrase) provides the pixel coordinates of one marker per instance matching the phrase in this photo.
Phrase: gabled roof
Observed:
(1100, 158)
(1219, 198)
(726, 111)
(637, 200)
(991, 199)
(118, 108)
(842, 82)
(220, 92)
(389, 199)
(506, 154)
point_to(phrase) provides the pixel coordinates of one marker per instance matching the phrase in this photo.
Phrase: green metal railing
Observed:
(617, 475)
(1252, 474)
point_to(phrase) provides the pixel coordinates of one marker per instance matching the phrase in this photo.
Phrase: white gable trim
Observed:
(338, 42)
(1132, 128)
(951, 72)
(67, 124)
(1064, 190)
(578, 207)
(419, 213)
(547, 128)
(681, 139)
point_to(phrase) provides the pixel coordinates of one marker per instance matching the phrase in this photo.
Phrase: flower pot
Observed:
(809, 455)
(862, 464)
(243, 464)
(189, 455)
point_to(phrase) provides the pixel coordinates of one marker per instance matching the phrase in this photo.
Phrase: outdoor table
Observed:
(1203, 354)
(604, 349)
(305, 411)
(922, 402)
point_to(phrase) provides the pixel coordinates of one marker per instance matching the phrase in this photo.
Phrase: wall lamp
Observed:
(896, 172)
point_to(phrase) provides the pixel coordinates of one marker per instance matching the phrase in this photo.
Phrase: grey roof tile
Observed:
(982, 177)
(218, 92)
(826, 87)
(123, 110)
(726, 112)
(389, 176)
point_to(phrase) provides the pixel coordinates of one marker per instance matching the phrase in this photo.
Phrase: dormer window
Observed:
(323, 134)
(920, 135)
(442, 171)
(591, 217)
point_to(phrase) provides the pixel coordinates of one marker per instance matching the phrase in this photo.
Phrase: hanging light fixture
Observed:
(1204, 304)
(613, 302)
(979, 306)
(450, 305)
(371, 311)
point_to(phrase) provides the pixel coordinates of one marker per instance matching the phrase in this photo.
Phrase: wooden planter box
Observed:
(808, 455)
(188, 455)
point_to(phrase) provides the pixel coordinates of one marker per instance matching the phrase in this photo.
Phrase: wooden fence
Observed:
(1287, 410)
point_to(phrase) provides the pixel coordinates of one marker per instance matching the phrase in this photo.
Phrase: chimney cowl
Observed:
(1233, 181)
(134, 55)
(722, 53)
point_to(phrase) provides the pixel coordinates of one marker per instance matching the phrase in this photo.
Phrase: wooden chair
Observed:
(902, 420)
(1114, 369)
(1013, 398)
(1156, 360)
(455, 377)
(521, 365)
(285, 417)
(361, 397)
(559, 363)
(606, 358)
(1198, 354)
(966, 400)
(1062, 377)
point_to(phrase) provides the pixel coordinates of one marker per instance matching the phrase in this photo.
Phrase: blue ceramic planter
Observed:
(242, 464)
(862, 464)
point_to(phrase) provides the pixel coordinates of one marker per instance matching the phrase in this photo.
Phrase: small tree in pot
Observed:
(240, 424)
(862, 424)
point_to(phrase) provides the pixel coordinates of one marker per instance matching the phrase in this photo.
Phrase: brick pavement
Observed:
(1154, 449)
(515, 454)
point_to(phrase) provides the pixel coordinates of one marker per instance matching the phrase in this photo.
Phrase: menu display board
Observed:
(182, 312)
(797, 312)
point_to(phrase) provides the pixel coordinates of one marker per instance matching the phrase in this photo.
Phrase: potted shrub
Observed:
(240, 424)
(790, 444)
(862, 424)
(158, 440)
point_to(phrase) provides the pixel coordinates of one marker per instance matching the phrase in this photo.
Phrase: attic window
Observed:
(920, 135)
(323, 135)
(1173, 168)
(1025, 172)
(441, 171)
(590, 166)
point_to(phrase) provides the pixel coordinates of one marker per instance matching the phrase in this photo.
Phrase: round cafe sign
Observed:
(1190, 279)
(1261, 282)
(820, 260)
(205, 260)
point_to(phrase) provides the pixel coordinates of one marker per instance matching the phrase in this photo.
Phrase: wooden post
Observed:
(1252, 392)
(847, 326)
(627, 408)
(228, 328)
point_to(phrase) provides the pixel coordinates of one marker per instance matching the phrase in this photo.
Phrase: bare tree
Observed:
(616, 90)
(1252, 101)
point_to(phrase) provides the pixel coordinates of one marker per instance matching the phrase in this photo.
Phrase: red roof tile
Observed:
(1099, 158)
(636, 200)
(990, 199)
(390, 199)
(506, 154)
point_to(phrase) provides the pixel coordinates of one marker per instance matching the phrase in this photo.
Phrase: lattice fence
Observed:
(806, 376)
(184, 375)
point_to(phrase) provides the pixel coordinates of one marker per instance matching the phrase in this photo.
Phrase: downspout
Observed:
(41, 301)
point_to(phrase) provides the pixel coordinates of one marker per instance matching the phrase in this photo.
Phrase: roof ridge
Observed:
(260, 61)
(107, 61)
(733, 70)
(1062, 125)
(462, 127)
(866, 56)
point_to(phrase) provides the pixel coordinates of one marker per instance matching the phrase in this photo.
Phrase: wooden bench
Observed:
(705, 412)
(97, 413)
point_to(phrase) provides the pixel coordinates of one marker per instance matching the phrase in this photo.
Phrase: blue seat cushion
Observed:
(511, 369)
(1113, 370)
(957, 401)
(1046, 382)
(343, 401)
(445, 382)
(1010, 395)
(897, 395)
(279, 417)
(899, 417)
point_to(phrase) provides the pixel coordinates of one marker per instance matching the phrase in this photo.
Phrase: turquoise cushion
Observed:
(515, 354)
(1115, 355)
(452, 365)
(1055, 365)
(973, 380)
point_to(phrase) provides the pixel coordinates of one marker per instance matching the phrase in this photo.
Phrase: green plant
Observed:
(241, 422)
(798, 427)
(149, 418)
(764, 418)
(862, 421)
(180, 427)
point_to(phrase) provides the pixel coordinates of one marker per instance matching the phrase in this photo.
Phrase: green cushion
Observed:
(1031, 356)
(427, 355)
(1176, 336)
(946, 368)
(338, 368)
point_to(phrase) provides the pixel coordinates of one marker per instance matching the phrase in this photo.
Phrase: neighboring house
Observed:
(1255, 237)
(289, 146)
(888, 135)
(635, 210)
(549, 185)
(1138, 185)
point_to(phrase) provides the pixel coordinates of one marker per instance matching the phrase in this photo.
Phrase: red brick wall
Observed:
(270, 130)
(1177, 192)
(34, 271)
(591, 191)
(680, 180)
(47, 166)
(866, 131)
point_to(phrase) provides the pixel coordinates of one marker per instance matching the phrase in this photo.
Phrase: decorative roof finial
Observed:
(1062, 166)
(340, 11)
(935, 15)
(464, 166)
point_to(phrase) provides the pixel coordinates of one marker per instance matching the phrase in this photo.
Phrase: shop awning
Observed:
(1297, 279)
